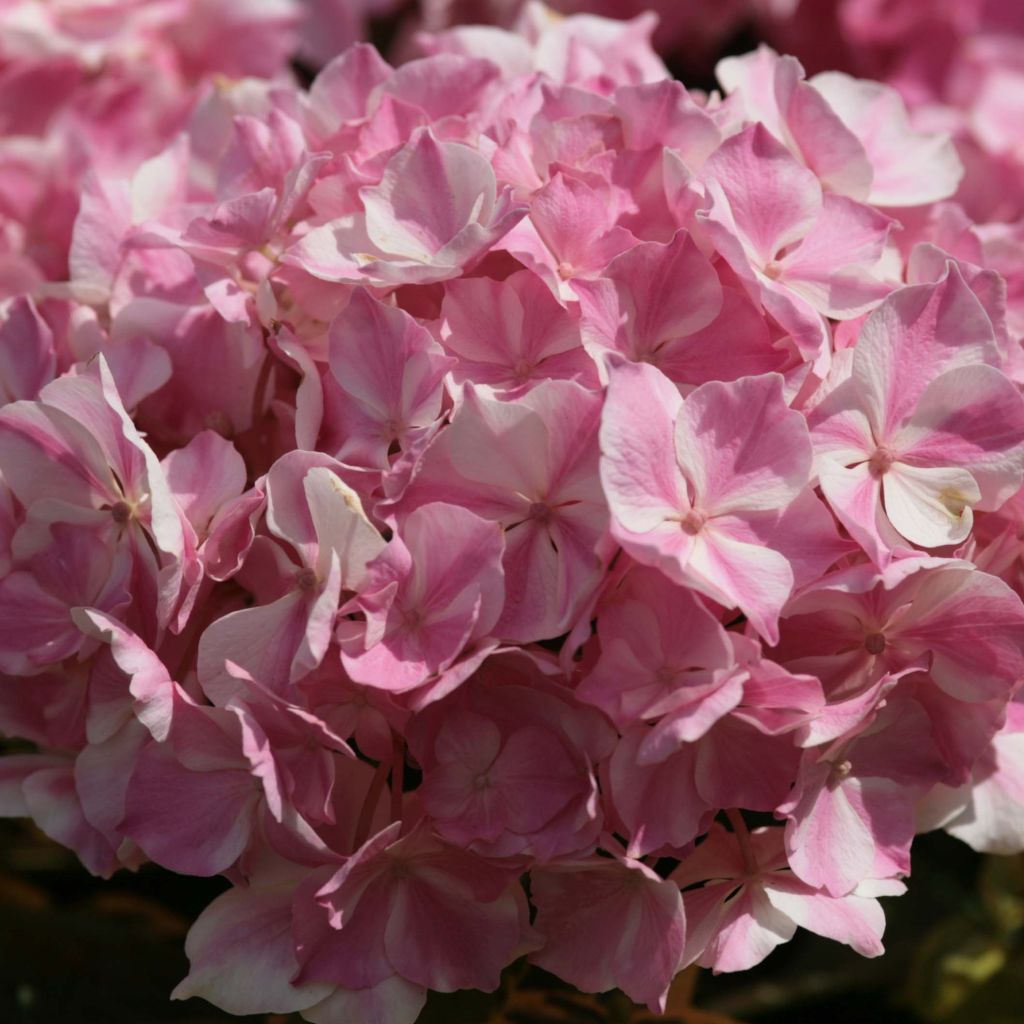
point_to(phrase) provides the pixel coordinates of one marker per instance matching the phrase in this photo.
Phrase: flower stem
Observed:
(397, 775)
(370, 804)
(739, 828)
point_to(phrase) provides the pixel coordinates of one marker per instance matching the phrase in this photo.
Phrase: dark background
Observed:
(79, 950)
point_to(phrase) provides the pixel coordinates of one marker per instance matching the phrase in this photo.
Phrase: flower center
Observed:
(306, 581)
(840, 770)
(882, 459)
(541, 512)
(874, 643)
(693, 522)
(412, 619)
(121, 512)
(522, 371)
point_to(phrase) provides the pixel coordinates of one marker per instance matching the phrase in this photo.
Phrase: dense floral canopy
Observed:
(503, 504)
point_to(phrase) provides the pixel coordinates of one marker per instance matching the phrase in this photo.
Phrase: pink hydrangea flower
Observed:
(900, 459)
(531, 465)
(697, 486)
(431, 594)
(749, 903)
(436, 209)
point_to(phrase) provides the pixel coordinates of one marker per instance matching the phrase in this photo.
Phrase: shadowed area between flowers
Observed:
(76, 950)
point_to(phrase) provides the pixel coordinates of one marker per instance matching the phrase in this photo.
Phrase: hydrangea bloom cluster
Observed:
(959, 66)
(100, 86)
(694, 29)
(507, 505)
